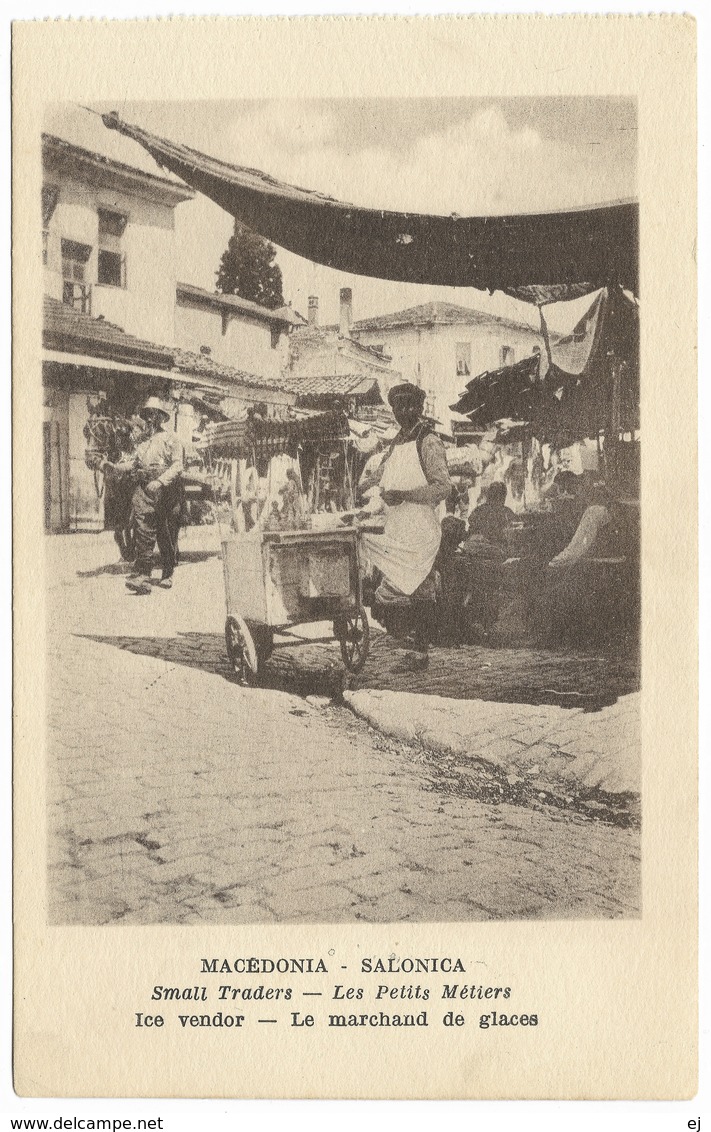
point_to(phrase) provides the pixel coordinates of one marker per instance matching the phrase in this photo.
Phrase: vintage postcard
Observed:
(355, 549)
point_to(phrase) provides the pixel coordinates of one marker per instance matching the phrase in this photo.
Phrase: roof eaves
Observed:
(234, 302)
(63, 326)
(57, 150)
(198, 363)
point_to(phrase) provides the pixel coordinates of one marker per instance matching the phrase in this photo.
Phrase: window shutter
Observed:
(50, 196)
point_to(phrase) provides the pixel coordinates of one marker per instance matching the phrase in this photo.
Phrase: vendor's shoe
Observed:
(165, 583)
(139, 585)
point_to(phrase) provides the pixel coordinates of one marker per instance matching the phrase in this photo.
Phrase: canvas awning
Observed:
(89, 361)
(584, 247)
(269, 437)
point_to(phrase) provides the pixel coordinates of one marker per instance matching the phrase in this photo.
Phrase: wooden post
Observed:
(235, 497)
(612, 436)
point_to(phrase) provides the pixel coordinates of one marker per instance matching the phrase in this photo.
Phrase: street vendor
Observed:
(414, 480)
(157, 466)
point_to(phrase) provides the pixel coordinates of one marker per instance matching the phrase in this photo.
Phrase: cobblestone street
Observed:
(178, 796)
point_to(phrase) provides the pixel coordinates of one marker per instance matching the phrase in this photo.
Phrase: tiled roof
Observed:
(187, 362)
(311, 333)
(59, 151)
(236, 302)
(306, 335)
(68, 329)
(337, 385)
(438, 314)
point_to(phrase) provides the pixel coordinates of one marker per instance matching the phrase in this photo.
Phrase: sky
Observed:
(476, 156)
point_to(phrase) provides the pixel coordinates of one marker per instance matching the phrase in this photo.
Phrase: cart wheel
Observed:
(353, 634)
(241, 650)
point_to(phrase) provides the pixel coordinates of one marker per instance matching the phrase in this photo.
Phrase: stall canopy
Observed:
(259, 437)
(584, 248)
(571, 396)
(508, 392)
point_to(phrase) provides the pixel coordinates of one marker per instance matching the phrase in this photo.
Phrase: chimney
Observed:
(344, 326)
(313, 310)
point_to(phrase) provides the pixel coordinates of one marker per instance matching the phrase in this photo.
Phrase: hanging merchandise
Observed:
(567, 395)
(571, 353)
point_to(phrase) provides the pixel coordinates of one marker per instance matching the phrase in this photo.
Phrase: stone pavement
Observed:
(571, 751)
(178, 796)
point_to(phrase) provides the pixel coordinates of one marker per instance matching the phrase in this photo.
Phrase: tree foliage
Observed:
(247, 269)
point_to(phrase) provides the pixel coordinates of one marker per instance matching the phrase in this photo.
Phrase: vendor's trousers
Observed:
(156, 519)
(416, 615)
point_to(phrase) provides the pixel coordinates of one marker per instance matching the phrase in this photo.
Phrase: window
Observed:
(464, 359)
(77, 292)
(507, 356)
(111, 268)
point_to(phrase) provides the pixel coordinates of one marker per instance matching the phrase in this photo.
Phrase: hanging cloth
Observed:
(586, 247)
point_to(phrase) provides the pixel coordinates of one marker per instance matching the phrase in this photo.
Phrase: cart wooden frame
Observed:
(275, 580)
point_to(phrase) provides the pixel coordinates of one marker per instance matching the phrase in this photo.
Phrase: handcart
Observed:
(310, 571)
(277, 579)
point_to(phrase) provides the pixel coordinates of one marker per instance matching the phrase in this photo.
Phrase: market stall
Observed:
(580, 388)
(583, 390)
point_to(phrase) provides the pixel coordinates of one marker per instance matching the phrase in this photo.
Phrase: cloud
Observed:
(491, 124)
(477, 165)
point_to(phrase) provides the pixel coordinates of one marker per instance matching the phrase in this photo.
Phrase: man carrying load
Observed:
(157, 465)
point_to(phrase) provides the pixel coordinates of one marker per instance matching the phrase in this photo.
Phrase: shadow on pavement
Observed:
(570, 678)
(565, 677)
(186, 557)
(315, 672)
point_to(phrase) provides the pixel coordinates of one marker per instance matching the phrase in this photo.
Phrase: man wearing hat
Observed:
(414, 481)
(157, 464)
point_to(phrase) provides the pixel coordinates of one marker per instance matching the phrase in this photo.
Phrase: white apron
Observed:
(407, 548)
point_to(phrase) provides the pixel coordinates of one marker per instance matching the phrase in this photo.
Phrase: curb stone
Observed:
(584, 767)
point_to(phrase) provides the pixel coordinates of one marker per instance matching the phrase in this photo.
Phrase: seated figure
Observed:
(584, 581)
(484, 552)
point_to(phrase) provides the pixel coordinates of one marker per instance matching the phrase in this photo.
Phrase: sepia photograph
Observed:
(355, 607)
(342, 444)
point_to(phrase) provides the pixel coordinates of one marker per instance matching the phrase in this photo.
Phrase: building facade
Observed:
(117, 327)
(441, 346)
(109, 239)
(234, 331)
(330, 361)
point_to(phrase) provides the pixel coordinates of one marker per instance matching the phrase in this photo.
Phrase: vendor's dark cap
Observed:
(407, 392)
